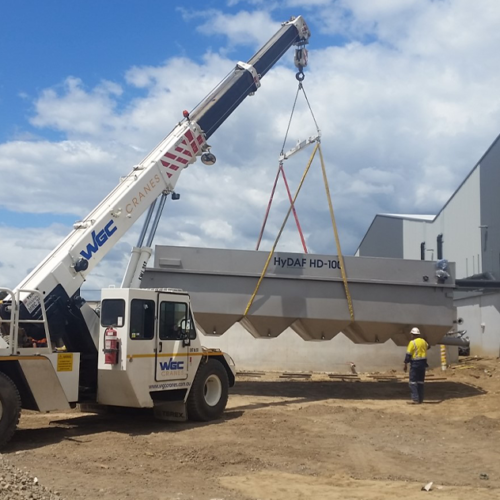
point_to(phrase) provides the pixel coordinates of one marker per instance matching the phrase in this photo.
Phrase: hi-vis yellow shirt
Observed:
(417, 349)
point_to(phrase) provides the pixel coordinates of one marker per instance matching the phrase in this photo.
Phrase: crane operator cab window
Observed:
(112, 312)
(142, 319)
(176, 322)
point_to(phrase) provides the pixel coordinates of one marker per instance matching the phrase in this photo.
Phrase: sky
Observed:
(405, 93)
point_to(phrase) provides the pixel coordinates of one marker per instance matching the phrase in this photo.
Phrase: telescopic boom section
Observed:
(245, 79)
(60, 276)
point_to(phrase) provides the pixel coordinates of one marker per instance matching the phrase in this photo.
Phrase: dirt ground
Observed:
(284, 439)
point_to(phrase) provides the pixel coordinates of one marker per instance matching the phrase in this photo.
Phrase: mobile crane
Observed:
(142, 350)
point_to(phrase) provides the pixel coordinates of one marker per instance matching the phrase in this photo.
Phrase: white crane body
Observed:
(143, 349)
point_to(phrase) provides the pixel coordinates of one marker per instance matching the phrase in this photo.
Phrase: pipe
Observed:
(455, 341)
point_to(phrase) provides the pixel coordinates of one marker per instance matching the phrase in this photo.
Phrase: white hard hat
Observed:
(415, 331)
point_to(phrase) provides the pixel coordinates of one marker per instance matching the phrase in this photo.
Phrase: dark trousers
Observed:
(417, 378)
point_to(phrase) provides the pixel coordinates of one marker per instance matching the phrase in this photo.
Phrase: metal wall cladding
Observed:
(306, 293)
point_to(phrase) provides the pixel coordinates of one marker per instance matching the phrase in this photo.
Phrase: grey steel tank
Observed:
(306, 293)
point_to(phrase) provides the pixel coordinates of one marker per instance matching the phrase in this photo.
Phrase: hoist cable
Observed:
(310, 109)
(290, 119)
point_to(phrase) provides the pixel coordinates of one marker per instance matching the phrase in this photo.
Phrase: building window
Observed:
(439, 247)
(422, 250)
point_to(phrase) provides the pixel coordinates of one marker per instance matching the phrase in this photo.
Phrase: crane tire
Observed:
(208, 396)
(10, 409)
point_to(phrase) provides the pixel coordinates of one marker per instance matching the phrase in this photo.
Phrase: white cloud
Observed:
(23, 248)
(404, 118)
(243, 28)
(77, 111)
(59, 177)
(219, 229)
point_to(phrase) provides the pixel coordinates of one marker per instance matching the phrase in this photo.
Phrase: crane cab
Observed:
(150, 355)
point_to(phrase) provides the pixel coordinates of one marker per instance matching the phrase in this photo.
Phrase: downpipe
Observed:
(455, 341)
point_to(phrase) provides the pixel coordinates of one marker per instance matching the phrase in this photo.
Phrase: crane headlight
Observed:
(208, 158)
(81, 265)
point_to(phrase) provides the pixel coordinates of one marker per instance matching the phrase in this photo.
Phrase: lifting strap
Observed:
(332, 216)
(252, 298)
(317, 147)
(337, 239)
(261, 234)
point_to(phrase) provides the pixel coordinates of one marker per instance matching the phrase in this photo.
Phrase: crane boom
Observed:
(59, 277)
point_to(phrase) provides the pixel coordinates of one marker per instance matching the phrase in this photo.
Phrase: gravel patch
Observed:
(16, 484)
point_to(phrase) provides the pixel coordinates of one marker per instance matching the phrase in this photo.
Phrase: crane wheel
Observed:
(10, 409)
(208, 396)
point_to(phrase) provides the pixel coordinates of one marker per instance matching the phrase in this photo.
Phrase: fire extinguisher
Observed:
(110, 346)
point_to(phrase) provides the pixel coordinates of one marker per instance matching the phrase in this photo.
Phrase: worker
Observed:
(416, 355)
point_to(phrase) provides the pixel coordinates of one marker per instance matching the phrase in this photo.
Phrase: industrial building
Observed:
(465, 231)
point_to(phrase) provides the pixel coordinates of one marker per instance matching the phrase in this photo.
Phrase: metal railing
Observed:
(30, 296)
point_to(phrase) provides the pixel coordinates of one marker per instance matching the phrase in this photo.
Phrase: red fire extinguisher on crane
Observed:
(110, 346)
